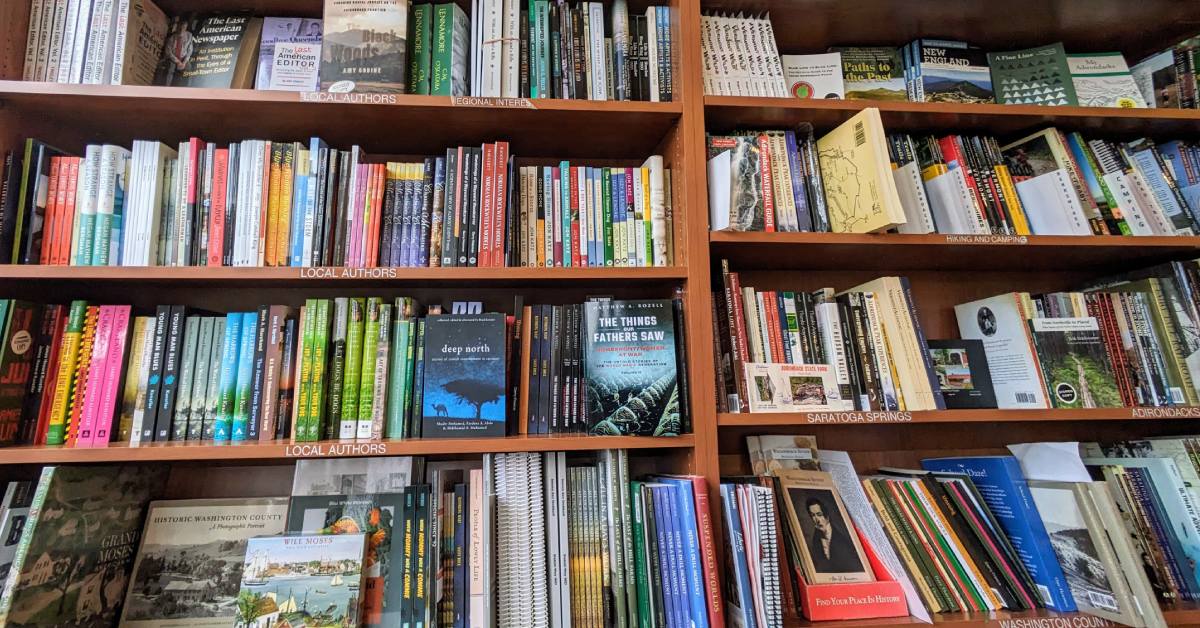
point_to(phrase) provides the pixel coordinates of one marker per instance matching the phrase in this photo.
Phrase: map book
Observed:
(873, 73)
(1103, 79)
(855, 168)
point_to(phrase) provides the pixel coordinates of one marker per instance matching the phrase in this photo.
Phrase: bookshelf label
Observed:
(334, 450)
(987, 239)
(357, 98)
(334, 272)
(858, 417)
(1075, 621)
(1166, 413)
(501, 103)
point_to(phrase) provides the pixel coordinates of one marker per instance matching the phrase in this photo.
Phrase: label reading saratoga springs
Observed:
(334, 450)
(987, 239)
(337, 272)
(505, 103)
(858, 417)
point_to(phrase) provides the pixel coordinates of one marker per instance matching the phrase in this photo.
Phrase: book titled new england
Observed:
(463, 395)
(632, 376)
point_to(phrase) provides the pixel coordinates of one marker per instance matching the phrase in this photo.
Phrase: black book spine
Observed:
(154, 379)
(524, 55)
(8, 205)
(540, 218)
(329, 207)
(555, 52)
(30, 408)
(545, 412)
(513, 368)
(650, 521)
(418, 398)
(170, 373)
(318, 208)
(866, 352)
(287, 382)
(260, 363)
(512, 253)
(852, 357)
(568, 394)
(389, 220)
(425, 220)
(339, 215)
(231, 188)
(469, 254)
(535, 371)
(578, 53)
(556, 370)
(681, 370)
(451, 216)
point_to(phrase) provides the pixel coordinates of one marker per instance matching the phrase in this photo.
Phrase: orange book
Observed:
(265, 200)
(61, 250)
(51, 209)
(527, 329)
(376, 191)
(292, 156)
(276, 184)
(82, 366)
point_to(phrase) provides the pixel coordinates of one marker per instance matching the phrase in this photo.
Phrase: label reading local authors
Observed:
(334, 450)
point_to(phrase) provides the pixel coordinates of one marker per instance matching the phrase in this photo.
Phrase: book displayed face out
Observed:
(829, 546)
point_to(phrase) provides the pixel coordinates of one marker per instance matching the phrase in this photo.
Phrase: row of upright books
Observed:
(1096, 528)
(499, 49)
(1047, 183)
(741, 58)
(262, 203)
(344, 368)
(510, 539)
(1125, 341)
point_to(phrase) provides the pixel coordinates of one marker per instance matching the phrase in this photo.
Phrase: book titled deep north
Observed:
(464, 376)
(631, 368)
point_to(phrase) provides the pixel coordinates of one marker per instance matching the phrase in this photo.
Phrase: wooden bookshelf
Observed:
(1186, 615)
(225, 276)
(768, 419)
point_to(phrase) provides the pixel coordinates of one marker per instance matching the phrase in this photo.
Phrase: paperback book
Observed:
(304, 580)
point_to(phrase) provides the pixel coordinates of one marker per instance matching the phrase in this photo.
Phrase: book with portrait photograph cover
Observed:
(962, 372)
(792, 387)
(830, 551)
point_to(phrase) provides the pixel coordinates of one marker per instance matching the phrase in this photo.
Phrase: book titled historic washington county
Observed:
(210, 51)
(309, 580)
(632, 380)
(73, 559)
(190, 561)
(365, 46)
(1075, 363)
(464, 376)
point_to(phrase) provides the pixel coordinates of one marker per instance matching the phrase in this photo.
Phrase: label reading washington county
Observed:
(334, 450)
(336, 272)
(987, 239)
(501, 103)
(1190, 412)
(858, 417)
(1075, 621)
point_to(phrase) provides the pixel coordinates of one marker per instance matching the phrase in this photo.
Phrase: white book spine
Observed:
(32, 41)
(510, 80)
(658, 209)
(85, 200)
(620, 31)
(476, 46)
(133, 204)
(238, 256)
(83, 30)
(493, 33)
(258, 204)
(45, 28)
(139, 409)
(57, 30)
(829, 324)
(97, 41)
(114, 64)
(891, 396)
(582, 212)
(599, 60)
(653, 49)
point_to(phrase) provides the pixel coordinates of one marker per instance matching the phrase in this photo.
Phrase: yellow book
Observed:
(1015, 208)
(56, 432)
(855, 167)
(295, 165)
(134, 368)
(273, 195)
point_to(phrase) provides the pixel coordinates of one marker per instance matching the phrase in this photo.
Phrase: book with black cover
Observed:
(210, 51)
(632, 375)
(463, 382)
(962, 372)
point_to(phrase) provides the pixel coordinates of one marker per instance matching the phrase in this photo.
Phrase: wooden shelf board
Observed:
(176, 451)
(897, 252)
(723, 113)
(380, 123)
(766, 419)
(275, 276)
(1187, 614)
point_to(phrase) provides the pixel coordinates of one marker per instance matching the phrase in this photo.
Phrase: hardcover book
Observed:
(873, 73)
(963, 374)
(281, 38)
(1075, 363)
(307, 580)
(463, 388)
(210, 51)
(364, 46)
(190, 560)
(771, 454)
(72, 563)
(631, 368)
(1035, 76)
(830, 550)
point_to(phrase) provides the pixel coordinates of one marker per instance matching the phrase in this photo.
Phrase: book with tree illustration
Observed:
(1075, 363)
(463, 389)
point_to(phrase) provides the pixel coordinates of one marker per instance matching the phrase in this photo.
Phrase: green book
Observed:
(1034, 76)
(366, 385)
(417, 381)
(245, 374)
(187, 372)
(320, 353)
(383, 349)
(451, 31)
(641, 566)
(355, 328)
(606, 185)
(337, 372)
(421, 58)
(397, 394)
(304, 383)
(212, 396)
(542, 22)
(531, 16)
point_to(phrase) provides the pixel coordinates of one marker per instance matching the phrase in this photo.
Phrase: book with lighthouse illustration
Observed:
(303, 580)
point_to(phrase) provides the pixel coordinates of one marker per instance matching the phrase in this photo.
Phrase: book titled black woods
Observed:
(464, 383)
(632, 368)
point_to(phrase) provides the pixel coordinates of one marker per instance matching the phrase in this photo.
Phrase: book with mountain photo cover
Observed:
(189, 565)
(873, 73)
(302, 580)
(364, 46)
(1075, 363)
(631, 368)
(464, 383)
(954, 73)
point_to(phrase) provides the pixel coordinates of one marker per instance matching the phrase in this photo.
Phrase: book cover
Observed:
(792, 387)
(463, 385)
(814, 76)
(963, 374)
(630, 368)
(1104, 80)
(1034, 76)
(16, 356)
(189, 564)
(139, 44)
(210, 51)
(364, 46)
(303, 580)
(355, 476)
(1075, 363)
(1001, 324)
(857, 175)
(873, 73)
(274, 60)
(14, 513)
(953, 73)
(62, 576)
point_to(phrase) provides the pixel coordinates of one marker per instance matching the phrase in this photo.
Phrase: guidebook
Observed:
(1035, 76)
(306, 580)
(1075, 363)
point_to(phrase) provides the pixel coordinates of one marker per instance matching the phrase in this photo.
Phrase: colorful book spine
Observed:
(85, 430)
(82, 368)
(212, 396)
(401, 362)
(183, 407)
(203, 372)
(227, 398)
(112, 375)
(130, 388)
(304, 379)
(352, 380)
(381, 381)
(315, 415)
(243, 386)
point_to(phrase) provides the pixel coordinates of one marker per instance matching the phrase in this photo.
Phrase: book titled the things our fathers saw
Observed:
(631, 368)
(463, 394)
(190, 562)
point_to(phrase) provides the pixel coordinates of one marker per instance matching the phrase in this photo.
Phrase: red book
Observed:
(487, 201)
(48, 388)
(770, 306)
(576, 245)
(743, 347)
(193, 183)
(216, 218)
(708, 553)
(66, 227)
(51, 210)
(737, 335)
(371, 232)
(954, 158)
(502, 209)
(768, 189)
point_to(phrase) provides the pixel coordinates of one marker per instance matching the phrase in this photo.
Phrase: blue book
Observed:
(564, 186)
(1172, 154)
(1007, 495)
(664, 520)
(245, 375)
(462, 389)
(228, 382)
(685, 509)
(799, 192)
(1145, 491)
(737, 570)
(297, 218)
(783, 321)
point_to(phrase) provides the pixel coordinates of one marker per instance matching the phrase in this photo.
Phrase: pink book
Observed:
(500, 207)
(265, 203)
(91, 395)
(487, 199)
(360, 205)
(112, 375)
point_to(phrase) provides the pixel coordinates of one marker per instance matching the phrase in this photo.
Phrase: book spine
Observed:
(417, 381)
(316, 418)
(287, 380)
(370, 343)
(227, 396)
(112, 375)
(168, 393)
(243, 387)
(257, 369)
(277, 319)
(179, 420)
(82, 368)
(197, 393)
(352, 378)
